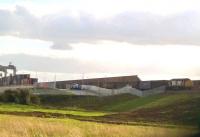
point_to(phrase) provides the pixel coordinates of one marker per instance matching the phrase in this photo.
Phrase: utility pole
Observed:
(83, 78)
(55, 81)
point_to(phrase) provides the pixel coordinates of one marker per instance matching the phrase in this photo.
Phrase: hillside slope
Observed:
(180, 108)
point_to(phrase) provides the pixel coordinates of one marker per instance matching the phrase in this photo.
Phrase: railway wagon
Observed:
(184, 83)
(147, 85)
(196, 84)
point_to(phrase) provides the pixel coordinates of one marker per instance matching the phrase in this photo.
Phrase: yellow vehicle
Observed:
(180, 84)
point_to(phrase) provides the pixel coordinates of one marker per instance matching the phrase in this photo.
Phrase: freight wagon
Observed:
(180, 84)
(147, 85)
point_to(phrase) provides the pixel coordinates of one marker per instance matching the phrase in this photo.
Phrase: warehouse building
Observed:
(106, 82)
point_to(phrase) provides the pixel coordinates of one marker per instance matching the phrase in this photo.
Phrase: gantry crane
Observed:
(5, 69)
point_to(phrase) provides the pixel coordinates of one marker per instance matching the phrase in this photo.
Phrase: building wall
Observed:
(109, 82)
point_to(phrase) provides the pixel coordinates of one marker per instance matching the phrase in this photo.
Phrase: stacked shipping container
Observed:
(22, 79)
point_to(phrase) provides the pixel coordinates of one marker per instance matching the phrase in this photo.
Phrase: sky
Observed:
(75, 39)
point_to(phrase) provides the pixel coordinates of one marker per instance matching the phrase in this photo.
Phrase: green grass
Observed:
(30, 108)
(171, 99)
(84, 102)
(118, 103)
(153, 101)
(171, 108)
(98, 106)
(131, 104)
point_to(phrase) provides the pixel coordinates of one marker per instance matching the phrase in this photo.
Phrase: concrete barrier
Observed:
(127, 89)
(108, 92)
(154, 91)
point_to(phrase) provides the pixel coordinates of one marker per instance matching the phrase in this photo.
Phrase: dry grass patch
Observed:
(16, 126)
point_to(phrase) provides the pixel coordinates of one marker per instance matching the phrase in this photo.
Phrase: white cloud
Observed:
(132, 27)
(118, 43)
(110, 7)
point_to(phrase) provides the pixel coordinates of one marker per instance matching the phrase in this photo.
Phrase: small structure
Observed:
(183, 83)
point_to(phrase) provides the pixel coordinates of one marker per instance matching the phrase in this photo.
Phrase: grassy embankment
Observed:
(178, 109)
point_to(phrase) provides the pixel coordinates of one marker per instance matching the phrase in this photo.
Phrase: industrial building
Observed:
(106, 82)
(13, 78)
(5, 69)
(22, 79)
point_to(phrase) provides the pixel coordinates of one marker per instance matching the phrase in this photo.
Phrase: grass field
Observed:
(147, 116)
(85, 102)
(16, 126)
(153, 101)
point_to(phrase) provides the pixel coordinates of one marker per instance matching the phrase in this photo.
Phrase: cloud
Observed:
(47, 64)
(61, 46)
(65, 65)
(131, 27)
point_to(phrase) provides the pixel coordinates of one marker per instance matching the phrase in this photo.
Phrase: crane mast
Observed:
(5, 69)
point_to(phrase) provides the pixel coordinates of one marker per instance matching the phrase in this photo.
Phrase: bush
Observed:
(35, 99)
(21, 96)
(10, 96)
(24, 96)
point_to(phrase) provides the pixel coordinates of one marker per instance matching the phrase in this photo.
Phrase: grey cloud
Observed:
(47, 64)
(132, 27)
(61, 46)
(65, 65)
